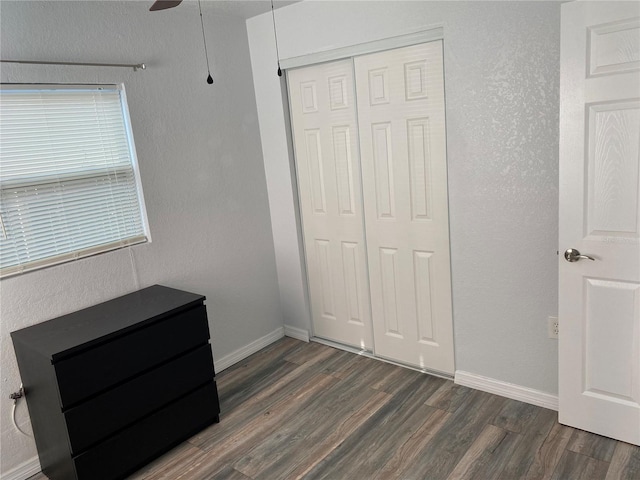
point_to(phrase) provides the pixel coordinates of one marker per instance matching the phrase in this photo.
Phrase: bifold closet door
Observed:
(328, 169)
(400, 105)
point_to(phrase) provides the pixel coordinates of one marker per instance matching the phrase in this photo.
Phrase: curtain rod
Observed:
(135, 67)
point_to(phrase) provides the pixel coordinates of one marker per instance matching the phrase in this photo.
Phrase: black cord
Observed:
(204, 40)
(275, 35)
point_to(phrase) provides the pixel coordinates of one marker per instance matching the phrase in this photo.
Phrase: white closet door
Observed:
(400, 100)
(328, 170)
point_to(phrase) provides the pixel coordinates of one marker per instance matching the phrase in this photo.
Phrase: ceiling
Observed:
(244, 8)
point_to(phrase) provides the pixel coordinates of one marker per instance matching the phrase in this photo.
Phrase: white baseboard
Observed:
(295, 332)
(23, 471)
(247, 350)
(509, 390)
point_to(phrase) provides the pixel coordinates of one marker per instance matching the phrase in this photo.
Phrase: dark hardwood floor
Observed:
(305, 410)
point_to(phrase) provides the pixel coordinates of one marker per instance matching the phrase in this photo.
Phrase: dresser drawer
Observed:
(130, 449)
(95, 419)
(106, 365)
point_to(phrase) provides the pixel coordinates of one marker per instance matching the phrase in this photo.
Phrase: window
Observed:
(69, 182)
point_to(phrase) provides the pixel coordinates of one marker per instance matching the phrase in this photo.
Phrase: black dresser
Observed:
(115, 385)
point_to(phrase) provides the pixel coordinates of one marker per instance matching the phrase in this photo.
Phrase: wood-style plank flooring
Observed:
(305, 410)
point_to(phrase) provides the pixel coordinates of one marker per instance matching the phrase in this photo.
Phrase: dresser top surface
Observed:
(63, 336)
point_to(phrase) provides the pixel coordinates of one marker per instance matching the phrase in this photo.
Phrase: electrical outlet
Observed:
(553, 327)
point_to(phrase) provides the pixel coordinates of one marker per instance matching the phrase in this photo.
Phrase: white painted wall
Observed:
(201, 167)
(501, 86)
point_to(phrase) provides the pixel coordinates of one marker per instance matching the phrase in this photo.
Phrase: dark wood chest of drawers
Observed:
(115, 385)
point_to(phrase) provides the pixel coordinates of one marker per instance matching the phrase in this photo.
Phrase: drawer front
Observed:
(134, 447)
(106, 365)
(95, 419)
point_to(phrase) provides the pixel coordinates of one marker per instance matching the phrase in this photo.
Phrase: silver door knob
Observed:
(573, 255)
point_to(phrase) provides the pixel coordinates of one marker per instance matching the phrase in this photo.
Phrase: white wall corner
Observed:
(505, 389)
(295, 332)
(23, 471)
(244, 352)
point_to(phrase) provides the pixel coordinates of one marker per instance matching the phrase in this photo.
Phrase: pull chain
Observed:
(204, 40)
(275, 35)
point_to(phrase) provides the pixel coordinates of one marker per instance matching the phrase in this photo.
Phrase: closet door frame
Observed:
(428, 34)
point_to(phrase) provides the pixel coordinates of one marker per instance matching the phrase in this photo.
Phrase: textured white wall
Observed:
(201, 165)
(501, 84)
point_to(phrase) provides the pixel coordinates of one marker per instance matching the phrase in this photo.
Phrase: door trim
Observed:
(424, 35)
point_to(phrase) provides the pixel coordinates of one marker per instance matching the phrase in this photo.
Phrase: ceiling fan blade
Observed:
(164, 4)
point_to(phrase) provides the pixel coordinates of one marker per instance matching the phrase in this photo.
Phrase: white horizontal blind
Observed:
(68, 185)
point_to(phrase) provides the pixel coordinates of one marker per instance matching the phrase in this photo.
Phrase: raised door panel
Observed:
(614, 47)
(613, 194)
(327, 285)
(316, 169)
(383, 170)
(415, 80)
(378, 86)
(355, 289)
(612, 340)
(423, 292)
(400, 95)
(328, 173)
(309, 97)
(389, 283)
(338, 92)
(419, 136)
(343, 156)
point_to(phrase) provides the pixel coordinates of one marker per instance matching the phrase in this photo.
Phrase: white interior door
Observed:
(328, 170)
(400, 99)
(599, 307)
